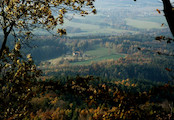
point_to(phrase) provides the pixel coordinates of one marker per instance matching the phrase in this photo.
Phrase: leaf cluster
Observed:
(18, 78)
(26, 15)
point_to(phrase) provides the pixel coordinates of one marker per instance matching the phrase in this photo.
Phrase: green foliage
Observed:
(144, 64)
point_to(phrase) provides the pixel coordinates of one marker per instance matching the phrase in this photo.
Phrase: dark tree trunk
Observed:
(3, 44)
(169, 14)
(6, 33)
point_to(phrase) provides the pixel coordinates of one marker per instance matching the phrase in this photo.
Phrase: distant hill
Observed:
(132, 2)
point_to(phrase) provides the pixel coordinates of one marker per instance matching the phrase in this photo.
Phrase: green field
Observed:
(100, 24)
(155, 19)
(143, 24)
(87, 62)
(99, 54)
(92, 29)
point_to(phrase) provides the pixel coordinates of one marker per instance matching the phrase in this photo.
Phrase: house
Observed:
(76, 53)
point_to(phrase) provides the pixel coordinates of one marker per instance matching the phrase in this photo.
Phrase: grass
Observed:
(91, 25)
(94, 55)
(143, 24)
(156, 19)
(87, 62)
(99, 51)
(99, 54)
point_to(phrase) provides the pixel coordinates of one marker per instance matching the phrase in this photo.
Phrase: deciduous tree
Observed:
(21, 17)
(17, 84)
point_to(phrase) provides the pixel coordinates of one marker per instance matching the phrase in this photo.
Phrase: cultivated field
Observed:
(143, 24)
(99, 54)
(95, 55)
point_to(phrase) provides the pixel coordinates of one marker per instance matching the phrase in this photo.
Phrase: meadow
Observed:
(142, 24)
(101, 24)
(99, 54)
(96, 54)
(92, 28)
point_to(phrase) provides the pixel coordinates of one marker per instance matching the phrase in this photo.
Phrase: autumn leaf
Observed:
(139, 48)
(168, 69)
(162, 24)
(158, 11)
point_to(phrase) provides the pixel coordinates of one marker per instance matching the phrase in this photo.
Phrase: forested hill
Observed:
(108, 57)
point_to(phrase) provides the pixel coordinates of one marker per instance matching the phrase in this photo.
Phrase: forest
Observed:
(110, 67)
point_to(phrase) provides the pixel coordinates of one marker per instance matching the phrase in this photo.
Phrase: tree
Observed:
(18, 75)
(18, 86)
(169, 14)
(21, 17)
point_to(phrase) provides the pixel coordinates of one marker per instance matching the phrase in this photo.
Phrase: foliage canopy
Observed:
(21, 17)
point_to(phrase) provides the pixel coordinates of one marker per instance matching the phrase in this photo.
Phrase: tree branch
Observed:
(6, 33)
(169, 14)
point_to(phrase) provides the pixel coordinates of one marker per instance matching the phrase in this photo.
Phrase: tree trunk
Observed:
(3, 44)
(169, 14)
(6, 32)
